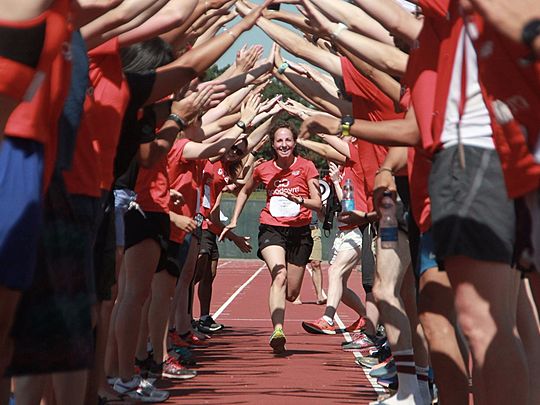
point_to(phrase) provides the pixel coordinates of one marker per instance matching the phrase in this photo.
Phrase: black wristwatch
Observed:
(241, 125)
(530, 31)
(346, 123)
(301, 201)
(177, 120)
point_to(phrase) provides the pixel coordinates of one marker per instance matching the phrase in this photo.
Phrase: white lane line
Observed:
(238, 291)
(373, 381)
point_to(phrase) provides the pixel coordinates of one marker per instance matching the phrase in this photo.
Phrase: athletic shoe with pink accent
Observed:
(362, 342)
(176, 341)
(194, 341)
(357, 327)
(320, 326)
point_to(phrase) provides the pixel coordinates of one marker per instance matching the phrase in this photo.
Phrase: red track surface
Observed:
(239, 367)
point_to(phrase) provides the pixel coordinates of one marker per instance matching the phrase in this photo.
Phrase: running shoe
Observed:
(194, 341)
(390, 383)
(184, 356)
(278, 340)
(208, 325)
(362, 342)
(384, 370)
(176, 341)
(357, 327)
(320, 326)
(171, 368)
(140, 390)
(367, 361)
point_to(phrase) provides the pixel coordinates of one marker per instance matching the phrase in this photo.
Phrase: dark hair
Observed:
(147, 55)
(277, 126)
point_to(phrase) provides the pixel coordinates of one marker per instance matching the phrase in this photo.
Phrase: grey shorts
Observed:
(471, 213)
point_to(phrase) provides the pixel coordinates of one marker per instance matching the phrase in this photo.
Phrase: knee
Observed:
(382, 292)
(292, 296)
(280, 278)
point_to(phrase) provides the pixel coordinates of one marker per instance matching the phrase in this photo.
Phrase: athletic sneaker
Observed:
(358, 326)
(362, 342)
(184, 356)
(320, 326)
(176, 341)
(171, 368)
(140, 390)
(367, 361)
(384, 370)
(278, 340)
(194, 341)
(208, 325)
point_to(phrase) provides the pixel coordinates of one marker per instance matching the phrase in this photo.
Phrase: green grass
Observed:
(257, 195)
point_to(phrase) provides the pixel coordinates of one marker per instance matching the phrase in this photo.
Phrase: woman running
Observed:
(285, 243)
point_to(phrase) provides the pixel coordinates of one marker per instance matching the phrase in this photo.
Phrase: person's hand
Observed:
(250, 108)
(294, 198)
(333, 172)
(316, 20)
(226, 230)
(353, 217)
(176, 197)
(241, 242)
(267, 105)
(384, 180)
(247, 57)
(186, 224)
(215, 4)
(320, 124)
(252, 16)
(196, 101)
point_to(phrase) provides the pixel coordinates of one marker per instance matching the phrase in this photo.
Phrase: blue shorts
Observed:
(123, 201)
(426, 254)
(21, 210)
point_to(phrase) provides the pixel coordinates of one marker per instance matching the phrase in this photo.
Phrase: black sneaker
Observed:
(208, 325)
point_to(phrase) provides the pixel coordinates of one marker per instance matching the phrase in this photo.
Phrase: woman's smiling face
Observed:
(284, 143)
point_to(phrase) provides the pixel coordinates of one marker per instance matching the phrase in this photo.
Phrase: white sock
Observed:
(328, 319)
(423, 383)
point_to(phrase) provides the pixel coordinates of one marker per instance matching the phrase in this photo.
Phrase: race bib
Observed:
(206, 197)
(283, 207)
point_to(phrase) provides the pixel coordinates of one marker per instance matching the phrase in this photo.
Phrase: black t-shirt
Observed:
(135, 130)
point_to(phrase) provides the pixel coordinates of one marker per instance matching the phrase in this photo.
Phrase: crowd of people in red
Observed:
(115, 153)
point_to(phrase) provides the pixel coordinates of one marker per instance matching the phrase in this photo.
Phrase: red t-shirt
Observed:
(152, 187)
(353, 170)
(37, 117)
(185, 176)
(111, 94)
(215, 178)
(369, 103)
(279, 210)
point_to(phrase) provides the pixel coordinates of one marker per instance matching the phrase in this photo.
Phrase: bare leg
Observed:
(163, 286)
(206, 288)
(29, 389)
(274, 256)
(372, 314)
(438, 317)
(142, 337)
(529, 331)
(338, 274)
(484, 299)
(182, 314)
(111, 353)
(70, 388)
(104, 389)
(534, 281)
(140, 264)
(317, 279)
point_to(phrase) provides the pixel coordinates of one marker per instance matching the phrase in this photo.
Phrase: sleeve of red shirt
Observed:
(354, 81)
(354, 156)
(311, 171)
(434, 8)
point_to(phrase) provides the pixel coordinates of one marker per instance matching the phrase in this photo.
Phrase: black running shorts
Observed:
(296, 241)
(209, 245)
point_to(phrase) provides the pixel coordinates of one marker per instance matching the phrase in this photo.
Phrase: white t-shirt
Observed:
(474, 126)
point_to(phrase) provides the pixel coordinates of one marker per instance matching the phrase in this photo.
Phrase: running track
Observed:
(239, 368)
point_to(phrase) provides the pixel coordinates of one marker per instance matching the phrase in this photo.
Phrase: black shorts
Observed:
(209, 245)
(471, 213)
(177, 255)
(155, 226)
(296, 241)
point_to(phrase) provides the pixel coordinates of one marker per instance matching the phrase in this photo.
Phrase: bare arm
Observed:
(128, 15)
(326, 151)
(395, 18)
(355, 18)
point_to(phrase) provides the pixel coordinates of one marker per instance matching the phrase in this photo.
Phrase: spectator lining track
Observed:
(239, 367)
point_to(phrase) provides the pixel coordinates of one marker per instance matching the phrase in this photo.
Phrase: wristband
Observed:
(340, 27)
(177, 120)
(384, 169)
(283, 67)
(530, 32)
(232, 34)
(301, 201)
(241, 125)
(254, 154)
